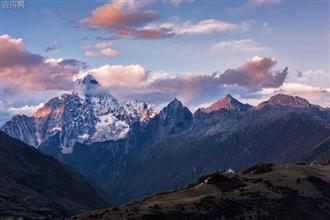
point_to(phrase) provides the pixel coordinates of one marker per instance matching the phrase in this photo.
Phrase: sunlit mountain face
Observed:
(141, 97)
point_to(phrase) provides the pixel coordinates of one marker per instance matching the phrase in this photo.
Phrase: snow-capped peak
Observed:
(94, 116)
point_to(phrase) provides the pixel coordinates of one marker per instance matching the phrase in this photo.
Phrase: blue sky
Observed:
(196, 39)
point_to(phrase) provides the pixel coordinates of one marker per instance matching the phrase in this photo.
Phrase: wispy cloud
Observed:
(175, 27)
(244, 45)
(314, 77)
(103, 49)
(54, 48)
(262, 2)
(178, 2)
(251, 5)
(266, 27)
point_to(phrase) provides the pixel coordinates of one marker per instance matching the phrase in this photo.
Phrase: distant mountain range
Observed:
(37, 186)
(261, 192)
(130, 151)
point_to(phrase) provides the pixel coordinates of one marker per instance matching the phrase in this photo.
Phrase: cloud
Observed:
(266, 27)
(127, 19)
(244, 45)
(256, 72)
(208, 26)
(262, 2)
(103, 49)
(175, 27)
(254, 75)
(314, 77)
(134, 81)
(28, 71)
(106, 38)
(27, 110)
(178, 2)
(119, 17)
(120, 76)
(251, 5)
(154, 33)
(52, 48)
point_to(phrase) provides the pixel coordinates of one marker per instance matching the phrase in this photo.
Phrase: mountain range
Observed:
(131, 151)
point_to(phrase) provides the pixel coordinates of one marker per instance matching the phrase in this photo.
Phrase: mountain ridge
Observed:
(37, 186)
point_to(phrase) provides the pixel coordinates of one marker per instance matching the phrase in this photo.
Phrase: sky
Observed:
(197, 51)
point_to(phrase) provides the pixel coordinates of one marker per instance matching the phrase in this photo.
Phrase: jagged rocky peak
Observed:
(229, 103)
(286, 100)
(175, 103)
(175, 116)
(173, 108)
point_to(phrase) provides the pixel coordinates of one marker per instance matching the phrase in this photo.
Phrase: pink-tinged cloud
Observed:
(25, 70)
(257, 71)
(103, 49)
(127, 19)
(254, 75)
(119, 17)
(134, 81)
(154, 33)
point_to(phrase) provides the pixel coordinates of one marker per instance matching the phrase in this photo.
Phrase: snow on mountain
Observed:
(95, 116)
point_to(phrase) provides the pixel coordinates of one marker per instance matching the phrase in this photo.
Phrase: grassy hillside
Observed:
(261, 192)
